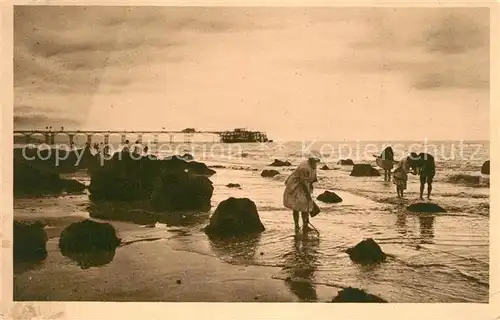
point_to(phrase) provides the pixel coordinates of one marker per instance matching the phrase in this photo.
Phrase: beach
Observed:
(433, 257)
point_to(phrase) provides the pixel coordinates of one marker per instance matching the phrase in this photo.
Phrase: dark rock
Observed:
(182, 191)
(217, 166)
(425, 207)
(356, 295)
(366, 252)
(329, 197)
(199, 168)
(235, 217)
(279, 163)
(345, 162)
(325, 167)
(72, 186)
(88, 236)
(31, 178)
(269, 173)
(88, 260)
(233, 185)
(485, 168)
(171, 184)
(364, 170)
(30, 241)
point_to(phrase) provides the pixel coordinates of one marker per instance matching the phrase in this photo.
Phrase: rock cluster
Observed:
(163, 185)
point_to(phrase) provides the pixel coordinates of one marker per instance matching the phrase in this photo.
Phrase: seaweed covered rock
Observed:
(88, 236)
(269, 173)
(366, 252)
(425, 207)
(329, 197)
(89, 243)
(345, 162)
(364, 170)
(485, 168)
(31, 178)
(182, 191)
(235, 217)
(356, 295)
(171, 184)
(279, 163)
(30, 241)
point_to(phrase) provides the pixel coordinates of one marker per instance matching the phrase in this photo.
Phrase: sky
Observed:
(295, 73)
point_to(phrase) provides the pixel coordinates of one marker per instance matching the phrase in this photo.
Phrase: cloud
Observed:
(458, 32)
(431, 48)
(149, 67)
(83, 49)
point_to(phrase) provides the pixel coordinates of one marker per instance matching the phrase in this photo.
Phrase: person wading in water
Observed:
(298, 190)
(386, 162)
(426, 167)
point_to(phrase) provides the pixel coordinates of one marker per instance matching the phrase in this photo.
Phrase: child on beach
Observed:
(400, 176)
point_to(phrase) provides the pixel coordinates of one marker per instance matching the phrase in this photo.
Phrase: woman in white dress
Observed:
(298, 190)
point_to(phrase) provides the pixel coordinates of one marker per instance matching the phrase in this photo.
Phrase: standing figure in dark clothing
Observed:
(386, 162)
(426, 167)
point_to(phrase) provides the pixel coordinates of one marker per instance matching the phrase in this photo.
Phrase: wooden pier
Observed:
(237, 135)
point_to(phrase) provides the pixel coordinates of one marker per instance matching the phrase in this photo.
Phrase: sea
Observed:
(433, 257)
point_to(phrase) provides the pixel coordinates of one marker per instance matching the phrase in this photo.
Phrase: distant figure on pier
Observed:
(62, 128)
(126, 148)
(137, 147)
(106, 150)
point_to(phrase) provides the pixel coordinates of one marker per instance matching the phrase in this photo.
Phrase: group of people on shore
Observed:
(422, 164)
(299, 185)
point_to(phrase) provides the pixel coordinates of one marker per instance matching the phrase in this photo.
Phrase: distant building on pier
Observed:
(241, 135)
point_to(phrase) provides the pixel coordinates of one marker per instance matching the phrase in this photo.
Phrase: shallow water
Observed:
(433, 257)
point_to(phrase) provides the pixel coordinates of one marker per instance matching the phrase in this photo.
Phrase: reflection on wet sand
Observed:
(426, 228)
(301, 263)
(237, 250)
(88, 260)
(401, 227)
(116, 211)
